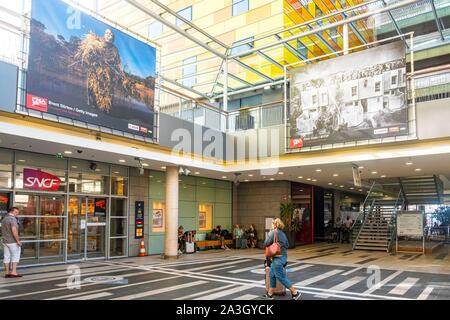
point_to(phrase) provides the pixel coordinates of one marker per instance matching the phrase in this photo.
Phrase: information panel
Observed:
(139, 214)
(410, 223)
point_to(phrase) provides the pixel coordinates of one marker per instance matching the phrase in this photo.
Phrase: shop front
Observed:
(70, 210)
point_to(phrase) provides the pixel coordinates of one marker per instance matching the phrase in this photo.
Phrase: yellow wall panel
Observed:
(259, 14)
(222, 15)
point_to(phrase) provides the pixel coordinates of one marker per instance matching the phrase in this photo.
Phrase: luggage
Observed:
(190, 247)
(280, 290)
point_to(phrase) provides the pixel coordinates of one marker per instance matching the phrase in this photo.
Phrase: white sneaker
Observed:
(180, 252)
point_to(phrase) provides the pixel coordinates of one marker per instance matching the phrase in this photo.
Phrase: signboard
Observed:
(83, 69)
(4, 204)
(355, 97)
(40, 180)
(8, 87)
(356, 176)
(158, 218)
(410, 223)
(139, 215)
(100, 208)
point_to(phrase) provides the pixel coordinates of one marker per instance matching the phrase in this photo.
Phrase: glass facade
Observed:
(69, 209)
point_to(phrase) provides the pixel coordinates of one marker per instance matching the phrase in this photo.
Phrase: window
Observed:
(354, 91)
(394, 80)
(189, 71)
(185, 13)
(242, 45)
(302, 49)
(155, 29)
(205, 212)
(239, 7)
(333, 33)
(377, 86)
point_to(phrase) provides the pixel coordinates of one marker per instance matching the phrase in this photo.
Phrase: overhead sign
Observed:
(40, 180)
(356, 176)
(410, 223)
(355, 97)
(83, 69)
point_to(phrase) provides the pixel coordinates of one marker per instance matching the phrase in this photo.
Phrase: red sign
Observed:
(39, 180)
(296, 143)
(37, 103)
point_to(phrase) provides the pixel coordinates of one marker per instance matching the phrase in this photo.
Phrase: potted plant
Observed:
(291, 223)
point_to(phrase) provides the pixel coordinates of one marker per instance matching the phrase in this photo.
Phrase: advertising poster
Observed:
(359, 96)
(157, 218)
(83, 69)
(4, 204)
(100, 208)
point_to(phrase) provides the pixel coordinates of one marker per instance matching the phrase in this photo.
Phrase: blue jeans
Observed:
(277, 272)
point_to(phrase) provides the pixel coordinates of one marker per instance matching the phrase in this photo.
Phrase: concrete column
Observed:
(346, 39)
(171, 234)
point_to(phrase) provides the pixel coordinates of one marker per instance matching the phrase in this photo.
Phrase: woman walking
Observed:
(277, 272)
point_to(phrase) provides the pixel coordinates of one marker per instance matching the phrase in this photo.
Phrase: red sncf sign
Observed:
(39, 180)
(37, 103)
(296, 143)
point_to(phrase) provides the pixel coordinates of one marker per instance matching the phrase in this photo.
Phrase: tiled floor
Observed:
(322, 271)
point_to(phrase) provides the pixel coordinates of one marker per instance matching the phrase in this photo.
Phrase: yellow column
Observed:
(171, 235)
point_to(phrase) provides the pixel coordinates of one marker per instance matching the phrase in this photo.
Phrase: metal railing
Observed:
(359, 221)
(393, 220)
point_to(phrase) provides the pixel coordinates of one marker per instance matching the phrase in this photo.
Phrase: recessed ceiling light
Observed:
(374, 172)
(117, 172)
(383, 176)
(280, 173)
(272, 179)
(224, 177)
(301, 190)
(151, 176)
(164, 167)
(300, 177)
(203, 182)
(341, 186)
(351, 188)
(418, 169)
(330, 183)
(309, 179)
(314, 180)
(250, 175)
(68, 152)
(335, 175)
(145, 164)
(318, 170)
(360, 190)
(97, 170)
(246, 180)
(197, 173)
(409, 163)
(361, 167)
(122, 161)
(21, 160)
(74, 167)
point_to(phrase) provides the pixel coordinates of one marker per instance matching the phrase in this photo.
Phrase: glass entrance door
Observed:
(87, 228)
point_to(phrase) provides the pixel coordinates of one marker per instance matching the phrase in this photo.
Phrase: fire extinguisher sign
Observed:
(139, 214)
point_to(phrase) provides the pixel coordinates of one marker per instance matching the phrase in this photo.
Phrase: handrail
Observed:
(363, 222)
(394, 221)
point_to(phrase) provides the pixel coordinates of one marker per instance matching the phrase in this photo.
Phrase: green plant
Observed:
(442, 214)
(291, 223)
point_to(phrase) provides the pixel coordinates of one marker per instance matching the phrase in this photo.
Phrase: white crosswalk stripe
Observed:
(202, 293)
(223, 293)
(299, 268)
(246, 297)
(161, 290)
(217, 265)
(93, 296)
(404, 286)
(344, 285)
(382, 283)
(315, 279)
(425, 293)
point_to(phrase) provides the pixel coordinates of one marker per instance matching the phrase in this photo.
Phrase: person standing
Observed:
(277, 272)
(11, 243)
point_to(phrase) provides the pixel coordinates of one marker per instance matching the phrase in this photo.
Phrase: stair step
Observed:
(371, 242)
(371, 248)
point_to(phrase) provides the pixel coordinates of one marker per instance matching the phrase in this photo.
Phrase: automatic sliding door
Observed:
(96, 228)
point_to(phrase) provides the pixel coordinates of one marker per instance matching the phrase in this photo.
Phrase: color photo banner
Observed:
(86, 70)
(359, 96)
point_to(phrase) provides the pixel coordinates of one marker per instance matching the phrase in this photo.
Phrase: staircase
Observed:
(422, 190)
(376, 231)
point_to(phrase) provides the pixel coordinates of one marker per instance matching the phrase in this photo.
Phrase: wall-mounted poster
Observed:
(202, 219)
(158, 218)
(4, 204)
(83, 69)
(359, 96)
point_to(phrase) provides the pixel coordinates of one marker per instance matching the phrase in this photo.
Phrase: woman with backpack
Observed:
(276, 248)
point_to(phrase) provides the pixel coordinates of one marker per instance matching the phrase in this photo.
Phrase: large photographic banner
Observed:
(86, 70)
(359, 96)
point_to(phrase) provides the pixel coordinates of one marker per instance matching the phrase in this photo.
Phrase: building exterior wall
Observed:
(259, 200)
(193, 192)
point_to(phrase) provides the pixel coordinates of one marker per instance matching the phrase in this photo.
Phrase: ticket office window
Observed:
(205, 216)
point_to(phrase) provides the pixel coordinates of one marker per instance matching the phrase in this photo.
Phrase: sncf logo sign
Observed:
(39, 180)
(296, 143)
(37, 103)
